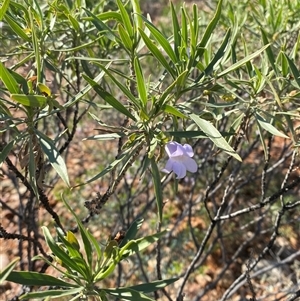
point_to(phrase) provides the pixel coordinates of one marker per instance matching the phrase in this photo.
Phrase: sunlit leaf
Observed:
(4, 8)
(152, 286)
(7, 270)
(215, 136)
(8, 80)
(269, 127)
(128, 294)
(53, 156)
(242, 61)
(52, 293)
(33, 101)
(109, 98)
(36, 279)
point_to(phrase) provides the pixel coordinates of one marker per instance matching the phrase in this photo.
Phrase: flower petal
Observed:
(169, 166)
(190, 164)
(188, 150)
(179, 169)
(174, 149)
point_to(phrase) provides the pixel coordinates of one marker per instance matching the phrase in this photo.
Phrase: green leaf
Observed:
(127, 294)
(6, 150)
(137, 13)
(16, 28)
(4, 8)
(215, 136)
(8, 80)
(74, 23)
(186, 134)
(268, 50)
(155, 51)
(157, 188)
(84, 235)
(95, 244)
(269, 127)
(85, 90)
(53, 156)
(127, 41)
(132, 231)
(162, 41)
(52, 293)
(294, 70)
(125, 18)
(210, 67)
(138, 245)
(176, 30)
(152, 286)
(36, 279)
(7, 270)
(110, 136)
(242, 61)
(36, 46)
(108, 98)
(102, 27)
(32, 101)
(172, 110)
(121, 86)
(209, 29)
(141, 86)
(67, 261)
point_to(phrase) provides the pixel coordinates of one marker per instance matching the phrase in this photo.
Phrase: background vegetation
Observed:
(91, 92)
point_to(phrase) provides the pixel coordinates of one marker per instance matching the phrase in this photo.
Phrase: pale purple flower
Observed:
(180, 159)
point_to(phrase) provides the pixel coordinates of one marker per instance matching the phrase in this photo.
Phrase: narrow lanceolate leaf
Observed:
(157, 187)
(137, 13)
(84, 235)
(127, 41)
(242, 61)
(16, 28)
(125, 18)
(121, 86)
(86, 89)
(209, 69)
(268, 50)
(8, 80)
(53, 156)
(132, 231)
(294, 70)
(128, 294)
(6, 150)
(155, 51)
(52, 293)
(4, 8)
(215, 136)
(108, 98)
(102, 27)
(38, 279)
(162, 41)
(66, 260)
(269, 127)
(209, 29)
(141, 85)
(140, 244)
(7, 270)
(152, 286)
(172, 110)
(176, 30)
(32, 101)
